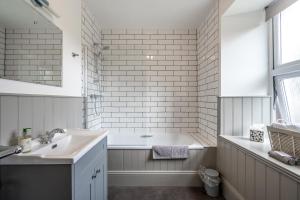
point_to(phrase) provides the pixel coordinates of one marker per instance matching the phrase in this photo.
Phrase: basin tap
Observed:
(48, 137)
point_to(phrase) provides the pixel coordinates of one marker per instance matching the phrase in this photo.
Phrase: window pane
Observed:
(290, 33)
(292, 91)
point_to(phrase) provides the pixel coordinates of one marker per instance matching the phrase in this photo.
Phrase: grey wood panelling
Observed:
(60, 110)
(272, 192)
(25, 112)
(115, 160)
(39, 113)
(9, 118)
(141, 160)
(234, 167)
(220, 157)
(239, 113)
(253, 178)
(49, 119)
(298, 190)
(260, 180)
(288, 188)
(250, 179)
(241, 172)
(228, 159)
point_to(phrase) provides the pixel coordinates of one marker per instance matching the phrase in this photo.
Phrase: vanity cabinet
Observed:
(90, 175)
(84, 180)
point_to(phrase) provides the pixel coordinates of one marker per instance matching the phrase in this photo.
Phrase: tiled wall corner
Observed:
(34, 55)
(2, 50)
(150, 79)
(208, 73)
(91, 33)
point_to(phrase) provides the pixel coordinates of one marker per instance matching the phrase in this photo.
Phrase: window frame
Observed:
(279, 68)
(282, 99)
(281, 71)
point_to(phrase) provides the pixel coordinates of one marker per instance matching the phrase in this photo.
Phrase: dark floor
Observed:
(157, 193)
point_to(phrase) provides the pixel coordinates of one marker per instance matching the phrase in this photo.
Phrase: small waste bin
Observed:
(211, 180)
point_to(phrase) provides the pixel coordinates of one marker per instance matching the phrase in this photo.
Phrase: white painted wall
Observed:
(70, 23)
(244, 55)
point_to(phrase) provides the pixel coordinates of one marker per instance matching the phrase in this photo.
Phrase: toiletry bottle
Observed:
(25, 140)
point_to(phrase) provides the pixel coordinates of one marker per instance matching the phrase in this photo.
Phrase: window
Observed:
(286, 71)
(290, 34)
(289, 99)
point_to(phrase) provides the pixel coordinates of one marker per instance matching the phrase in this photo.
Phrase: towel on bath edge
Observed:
(170, 152)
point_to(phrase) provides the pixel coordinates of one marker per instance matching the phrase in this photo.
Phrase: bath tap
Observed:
(48, 137)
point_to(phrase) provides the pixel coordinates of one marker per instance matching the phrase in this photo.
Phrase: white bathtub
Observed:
(130, 160)
(146, 141)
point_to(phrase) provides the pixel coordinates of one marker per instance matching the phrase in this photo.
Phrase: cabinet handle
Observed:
(98, 171)
(94, 176)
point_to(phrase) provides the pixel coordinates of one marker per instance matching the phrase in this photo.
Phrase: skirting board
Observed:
(229, 192)
(154, 178)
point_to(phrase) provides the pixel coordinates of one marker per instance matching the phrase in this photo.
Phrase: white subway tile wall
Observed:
(208, 74)
(34, 55)
(91, 33)
(2, 50)
(155, 80)
(150, 81)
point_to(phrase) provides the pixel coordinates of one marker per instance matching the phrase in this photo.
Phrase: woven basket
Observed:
(284, 140)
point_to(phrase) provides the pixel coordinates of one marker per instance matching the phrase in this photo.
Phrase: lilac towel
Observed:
(170, 152)
(283, 157)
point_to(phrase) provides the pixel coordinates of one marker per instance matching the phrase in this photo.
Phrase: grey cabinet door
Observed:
(90, 174)
(84, 179)
(105, 173)
(104, 168)
(99, 182)
(101, 173)
(84, 185)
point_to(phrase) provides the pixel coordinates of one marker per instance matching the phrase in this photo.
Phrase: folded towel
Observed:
(284, 157)
(279, 125)
(170, 152)
(286, 126)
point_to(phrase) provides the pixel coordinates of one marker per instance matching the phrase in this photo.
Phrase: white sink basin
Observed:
(67, 147)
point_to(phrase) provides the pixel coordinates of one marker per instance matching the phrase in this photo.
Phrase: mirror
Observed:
(30, 45)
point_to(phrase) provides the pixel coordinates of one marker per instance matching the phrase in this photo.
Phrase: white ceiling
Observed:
(149, 13)
(245, 6)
